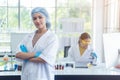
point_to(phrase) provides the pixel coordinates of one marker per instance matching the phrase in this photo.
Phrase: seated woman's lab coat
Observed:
(86, 57)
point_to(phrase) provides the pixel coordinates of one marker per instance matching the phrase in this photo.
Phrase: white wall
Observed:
(98, 28)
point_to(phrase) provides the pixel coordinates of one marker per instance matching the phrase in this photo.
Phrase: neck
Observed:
(39, 31)
(83, 47)
(82, 50)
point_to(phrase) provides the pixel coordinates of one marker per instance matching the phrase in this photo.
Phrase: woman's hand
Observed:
(117, 66)
(37, 60)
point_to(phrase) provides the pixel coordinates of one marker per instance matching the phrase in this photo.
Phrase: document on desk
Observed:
(81, 65)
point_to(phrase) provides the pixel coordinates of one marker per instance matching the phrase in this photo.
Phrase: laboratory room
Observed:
(59, 40)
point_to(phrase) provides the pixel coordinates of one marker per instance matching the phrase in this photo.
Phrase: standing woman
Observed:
(40, 49)
(82, 52)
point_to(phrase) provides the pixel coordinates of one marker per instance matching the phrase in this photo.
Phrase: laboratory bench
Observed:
(10, 75)
(87, 74)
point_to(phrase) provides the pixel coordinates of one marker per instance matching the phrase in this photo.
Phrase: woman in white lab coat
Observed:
(82, 52)
(41, 45)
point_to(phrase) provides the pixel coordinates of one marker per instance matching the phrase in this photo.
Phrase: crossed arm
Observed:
(29, 57)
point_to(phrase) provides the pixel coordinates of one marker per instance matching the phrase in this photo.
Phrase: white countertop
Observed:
(87, 72)
(10, 73)
(97, 70)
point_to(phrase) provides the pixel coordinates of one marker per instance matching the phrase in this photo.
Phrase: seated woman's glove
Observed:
(93, 54)
(94, 58)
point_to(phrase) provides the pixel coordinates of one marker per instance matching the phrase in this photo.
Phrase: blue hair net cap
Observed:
(43, 12)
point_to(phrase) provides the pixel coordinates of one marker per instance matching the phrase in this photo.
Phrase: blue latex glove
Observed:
(94, 58)
(37, 54)
(24, 49)
(94, 55)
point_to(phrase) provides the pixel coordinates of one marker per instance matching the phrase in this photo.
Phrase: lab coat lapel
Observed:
(41, 40)
(77, 53)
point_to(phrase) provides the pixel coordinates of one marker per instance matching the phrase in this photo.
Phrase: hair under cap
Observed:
(43, 12)
(84, 35)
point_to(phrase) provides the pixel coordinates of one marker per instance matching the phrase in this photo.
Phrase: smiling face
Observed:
(39, 20)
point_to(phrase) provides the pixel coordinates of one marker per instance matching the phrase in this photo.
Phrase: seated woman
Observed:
(82, 53)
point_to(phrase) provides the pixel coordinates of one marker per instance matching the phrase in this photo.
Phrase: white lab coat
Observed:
(74, 54)
(48, 44)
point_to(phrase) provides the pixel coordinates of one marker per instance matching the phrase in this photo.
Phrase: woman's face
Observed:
(39, 21)
(84, 43)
